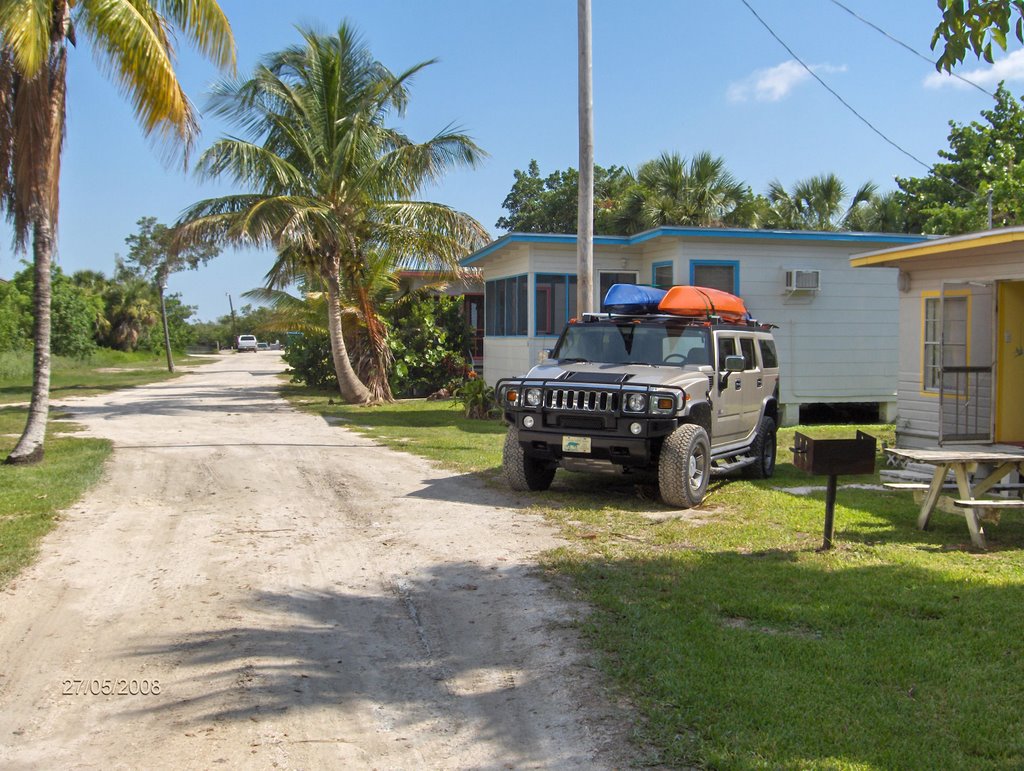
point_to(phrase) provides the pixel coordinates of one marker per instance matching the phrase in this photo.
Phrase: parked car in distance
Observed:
(262, 346)
(247, 344)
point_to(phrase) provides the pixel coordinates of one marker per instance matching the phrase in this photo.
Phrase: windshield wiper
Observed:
(574, 361)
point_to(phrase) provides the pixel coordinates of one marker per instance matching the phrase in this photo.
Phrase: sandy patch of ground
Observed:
(251, 587)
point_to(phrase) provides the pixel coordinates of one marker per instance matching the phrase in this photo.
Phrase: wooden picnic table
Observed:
(961, 461)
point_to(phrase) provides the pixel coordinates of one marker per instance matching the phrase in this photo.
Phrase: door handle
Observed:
(760, 382)
(739, 384)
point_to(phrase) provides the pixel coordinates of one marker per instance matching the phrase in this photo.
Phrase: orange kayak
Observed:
(702, 301)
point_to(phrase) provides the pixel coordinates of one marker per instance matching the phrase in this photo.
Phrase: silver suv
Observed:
(684, 397)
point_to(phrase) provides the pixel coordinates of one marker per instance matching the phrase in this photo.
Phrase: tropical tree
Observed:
(156, 254)
(984, 162)
(549, 204)
(815, 203)
(133, 40)
(670, 190)
(330, 184)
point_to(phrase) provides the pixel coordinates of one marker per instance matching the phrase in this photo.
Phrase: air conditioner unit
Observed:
(803, 280)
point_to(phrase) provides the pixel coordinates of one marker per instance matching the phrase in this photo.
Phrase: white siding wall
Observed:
(836, 345)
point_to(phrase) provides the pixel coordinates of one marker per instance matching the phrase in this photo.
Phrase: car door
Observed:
(728, 401)
(753, 385)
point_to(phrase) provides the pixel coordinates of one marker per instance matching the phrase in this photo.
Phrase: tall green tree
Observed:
(329, 182)
(156, 253)
(820, 202)
(671, 190)
(984, 157)
(549, 204)
(133, 41)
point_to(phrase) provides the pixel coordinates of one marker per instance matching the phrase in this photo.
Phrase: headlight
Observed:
(533, 397)
(636, 402)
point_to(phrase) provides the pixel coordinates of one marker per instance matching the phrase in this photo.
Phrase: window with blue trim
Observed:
(505, 306)
(716, 274)
(554, 301)
(662, 275)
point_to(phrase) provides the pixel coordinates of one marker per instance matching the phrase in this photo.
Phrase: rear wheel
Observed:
(521, 471)
(685, 466)
(763, 449)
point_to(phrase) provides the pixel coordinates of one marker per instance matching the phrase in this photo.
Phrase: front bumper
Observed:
(615, 442)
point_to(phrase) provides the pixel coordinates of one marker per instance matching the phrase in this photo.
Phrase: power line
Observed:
(832, 91)
(914, 51)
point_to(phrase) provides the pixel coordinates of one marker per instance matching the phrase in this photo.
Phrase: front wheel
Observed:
(685, 466)
(522, 472)
(763, 450)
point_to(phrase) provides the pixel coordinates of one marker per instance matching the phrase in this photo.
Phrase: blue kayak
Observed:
(632, 299)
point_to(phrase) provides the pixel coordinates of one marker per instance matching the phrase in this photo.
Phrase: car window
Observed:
(769, 357)
(747, 348)
(726, 347)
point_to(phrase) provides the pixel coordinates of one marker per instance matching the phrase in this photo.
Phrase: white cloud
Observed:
(1009, 69)
(775, 83)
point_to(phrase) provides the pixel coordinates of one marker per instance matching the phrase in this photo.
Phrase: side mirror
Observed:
(734, 364)
(544, 355)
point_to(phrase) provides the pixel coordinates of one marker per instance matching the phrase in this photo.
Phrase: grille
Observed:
(581, 400)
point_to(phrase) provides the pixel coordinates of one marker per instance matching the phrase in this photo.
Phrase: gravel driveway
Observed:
(249, 586)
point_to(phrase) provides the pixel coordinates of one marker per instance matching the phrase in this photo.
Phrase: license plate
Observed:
(580, 444)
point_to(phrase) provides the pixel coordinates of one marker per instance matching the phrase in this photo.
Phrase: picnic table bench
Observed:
(961, 462)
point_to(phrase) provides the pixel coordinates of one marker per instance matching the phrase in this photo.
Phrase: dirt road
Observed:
(251, 587)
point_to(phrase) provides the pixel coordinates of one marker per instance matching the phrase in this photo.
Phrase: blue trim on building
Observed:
(670, 231)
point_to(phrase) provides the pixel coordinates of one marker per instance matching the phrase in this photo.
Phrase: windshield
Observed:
(627, 342)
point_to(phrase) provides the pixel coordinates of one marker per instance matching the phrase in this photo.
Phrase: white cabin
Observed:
(836, 333)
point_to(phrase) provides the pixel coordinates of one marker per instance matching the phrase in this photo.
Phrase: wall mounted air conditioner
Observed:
(803, 280)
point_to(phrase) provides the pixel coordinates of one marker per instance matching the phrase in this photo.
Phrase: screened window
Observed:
(662, 275)
(945, 339)
(607, 279)
(716, 275)
(505, 306)
(555, 302)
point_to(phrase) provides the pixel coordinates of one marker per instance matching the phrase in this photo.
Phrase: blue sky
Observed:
(669, 75)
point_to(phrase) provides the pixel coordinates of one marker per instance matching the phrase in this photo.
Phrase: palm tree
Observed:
(134, 41)
(815, 203)
(331, 184)
(673, 191)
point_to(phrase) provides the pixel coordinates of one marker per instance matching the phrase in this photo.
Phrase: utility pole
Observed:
(161, 284)
(234, 331)
(585, 214)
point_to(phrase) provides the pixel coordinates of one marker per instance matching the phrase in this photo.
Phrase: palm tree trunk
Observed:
(30, 446)
(380, 352)
(351, 388)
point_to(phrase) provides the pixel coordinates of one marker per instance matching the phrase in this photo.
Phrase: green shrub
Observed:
(429, 342)
(476, 398)
(309, 357)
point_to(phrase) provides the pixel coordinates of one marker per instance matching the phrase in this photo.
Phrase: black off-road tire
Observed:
(522, 472)
(763, 450)
(685, 466)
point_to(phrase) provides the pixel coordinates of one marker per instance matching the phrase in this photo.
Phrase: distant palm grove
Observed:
(983, 162)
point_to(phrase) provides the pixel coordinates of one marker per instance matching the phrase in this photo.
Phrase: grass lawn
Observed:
(106, 370)
(745, 647)
(31, 497)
